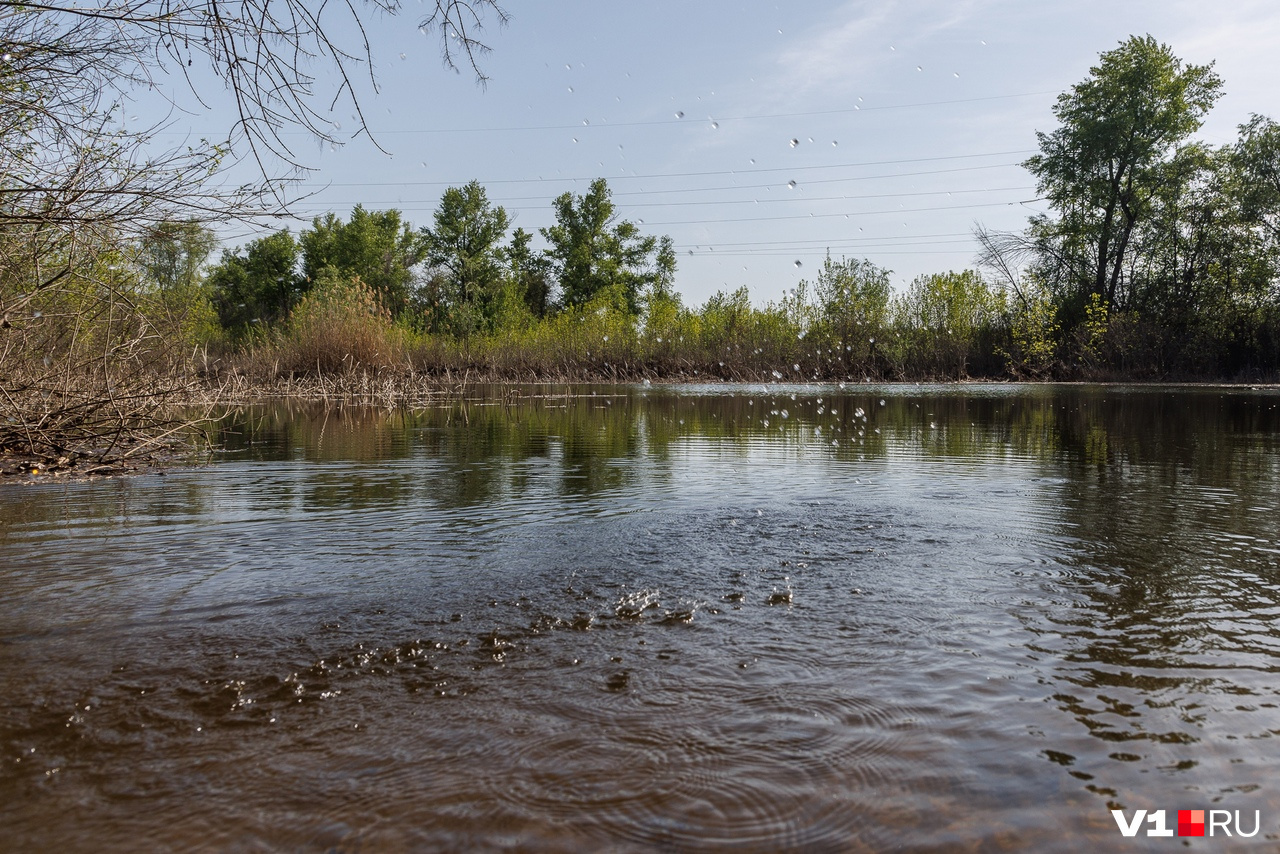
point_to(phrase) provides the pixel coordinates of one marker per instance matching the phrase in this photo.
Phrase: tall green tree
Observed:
(593, 251)
(259, 284)
(1122, 132)
(171, 258)
(375, 246)
(1257, 156)
(530, 273)
(465, 246)
(172, 254)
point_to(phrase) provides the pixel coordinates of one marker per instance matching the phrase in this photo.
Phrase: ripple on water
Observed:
(565, 642)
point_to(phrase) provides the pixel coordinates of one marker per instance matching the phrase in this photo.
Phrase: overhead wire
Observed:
(671, 197)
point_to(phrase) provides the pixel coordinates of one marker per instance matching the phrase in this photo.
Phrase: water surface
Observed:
(753, 617)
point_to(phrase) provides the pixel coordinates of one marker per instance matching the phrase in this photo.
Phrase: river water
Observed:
(765, 618)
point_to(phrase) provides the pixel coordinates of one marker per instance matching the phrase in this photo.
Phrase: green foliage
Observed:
(1119, 131)
(1162, 257)
(1096, 324)
(947, 323)
(853, 306)
(259, 285)
(1257, 158)
(1034, 331)
(852, 294)
(530, 274)
(465, 246)
(171, 258)
(1177, 241)
(376, 246)
(591, 251)
(172, 254)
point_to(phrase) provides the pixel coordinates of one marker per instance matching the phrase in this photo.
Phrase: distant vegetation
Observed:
(1160, 260)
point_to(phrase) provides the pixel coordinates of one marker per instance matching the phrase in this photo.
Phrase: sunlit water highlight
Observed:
(640, 619)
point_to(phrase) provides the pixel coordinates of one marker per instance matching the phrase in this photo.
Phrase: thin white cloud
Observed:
(859, 38)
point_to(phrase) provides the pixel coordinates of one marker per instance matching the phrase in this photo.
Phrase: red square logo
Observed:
(1191, 822)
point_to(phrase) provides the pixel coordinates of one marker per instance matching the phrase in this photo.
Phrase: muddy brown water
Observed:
(765, 618)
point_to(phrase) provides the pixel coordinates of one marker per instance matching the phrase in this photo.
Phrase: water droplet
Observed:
(586, 121)
(955, 74)
(892, 48)
(679, 114)
(402, 56)
(796, 367)
(794, 143)
(811, 139)
(834, 143)
(791, 185)
(568, 67)
(919, 68)
(575, 139)
(882, 401)
(715, 125)
(798, 264)
(785, 414)
(570, 90)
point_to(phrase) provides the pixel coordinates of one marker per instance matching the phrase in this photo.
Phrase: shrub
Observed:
(340, 325)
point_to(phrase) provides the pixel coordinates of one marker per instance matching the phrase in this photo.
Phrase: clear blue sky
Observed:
(901, 124)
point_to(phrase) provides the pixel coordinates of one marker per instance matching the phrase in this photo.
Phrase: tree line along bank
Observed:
(1161, 260)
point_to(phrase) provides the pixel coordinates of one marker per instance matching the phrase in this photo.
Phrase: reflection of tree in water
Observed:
(1168, 498)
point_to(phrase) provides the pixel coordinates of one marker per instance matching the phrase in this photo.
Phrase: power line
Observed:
(754, 201)
(793, 254)
(848, 215)
(605, 123)
(820, 242)
(656, 175)
(712, 252)
(836, 215)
